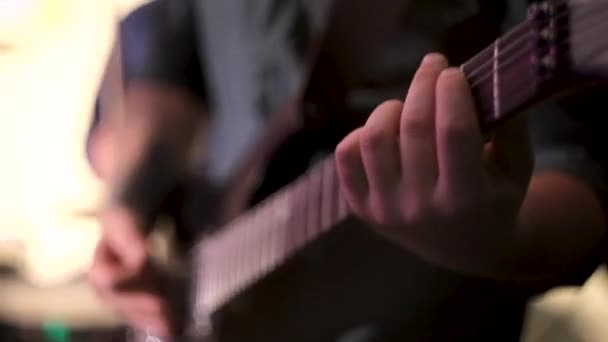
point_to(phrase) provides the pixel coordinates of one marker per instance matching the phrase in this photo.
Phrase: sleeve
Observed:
(159, 43)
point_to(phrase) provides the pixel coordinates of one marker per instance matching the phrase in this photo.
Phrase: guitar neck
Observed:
(261, 239)
(506, 77)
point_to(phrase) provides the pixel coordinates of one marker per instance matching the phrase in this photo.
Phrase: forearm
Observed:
(153, 145)
(562, 227)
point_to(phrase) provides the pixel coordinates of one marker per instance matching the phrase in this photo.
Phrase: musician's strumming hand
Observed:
(125, 277)
(419, 170)
(148, 159)
(122, 273)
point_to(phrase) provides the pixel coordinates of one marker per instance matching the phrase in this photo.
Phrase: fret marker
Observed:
(496, 88)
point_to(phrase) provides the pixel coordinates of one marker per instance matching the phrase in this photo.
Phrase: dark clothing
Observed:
(165, 43)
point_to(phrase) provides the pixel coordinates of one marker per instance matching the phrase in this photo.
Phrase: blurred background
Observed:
(52, 56)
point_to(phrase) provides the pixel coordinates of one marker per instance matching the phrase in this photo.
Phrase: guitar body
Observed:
(351, 282)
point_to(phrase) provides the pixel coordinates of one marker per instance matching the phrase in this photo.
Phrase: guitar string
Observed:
(257, 211)
(525, 26)
(506, 50)
(511, 94)
(584, 32)
(515, 45)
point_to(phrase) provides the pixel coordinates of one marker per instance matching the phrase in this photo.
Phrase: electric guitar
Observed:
(272, 248)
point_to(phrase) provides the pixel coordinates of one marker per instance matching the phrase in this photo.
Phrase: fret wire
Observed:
(301, 213)
(210, 276)
(514, 94)
(313, 203)
(485, 91)
(220, 272)
(511, 96)
(237, 243)
(229, 264)
(496, 80)
(233, 262)
(261, 227)
(516, 34)
(271, 235)
(511, 40)
(309, 205)
(204, 276)
(292, 237)
(507, 63)
(327, 199)
(220, 264)
(238, 255)
(342, 205)
(289, 237)
(279, 214)
(512, 46)
(253, 256)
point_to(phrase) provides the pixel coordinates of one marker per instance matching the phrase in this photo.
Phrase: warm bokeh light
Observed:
(48, 80)
(52, 54)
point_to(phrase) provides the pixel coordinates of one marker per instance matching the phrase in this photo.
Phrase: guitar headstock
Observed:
(570, 35)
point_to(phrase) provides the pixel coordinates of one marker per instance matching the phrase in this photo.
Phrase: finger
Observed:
(144, 311)
(417, 135)
(106, 271)
(459, 139)
(144, 314)
(122, 231)
(351, 172)
(511, 150)
(380, 150)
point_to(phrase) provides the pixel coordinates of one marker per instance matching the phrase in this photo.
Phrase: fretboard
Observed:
(261, 239)
(503, 79)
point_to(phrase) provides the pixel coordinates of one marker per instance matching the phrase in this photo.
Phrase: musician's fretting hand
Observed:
(419, 171)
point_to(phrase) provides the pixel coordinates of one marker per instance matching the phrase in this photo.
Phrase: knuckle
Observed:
(99, 279)
(347, 149)
(371, 137)
(141, 260)
(416, 125)
(415, 209)
(453, 208)
(453, 130)
(342, 155)
(382, 212)
(360, 209)
(155, 305)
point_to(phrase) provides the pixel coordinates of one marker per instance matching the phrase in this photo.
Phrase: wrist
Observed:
(147, 185)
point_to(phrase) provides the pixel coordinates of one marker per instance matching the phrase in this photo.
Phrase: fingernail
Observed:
(452, 72)
(434, 57)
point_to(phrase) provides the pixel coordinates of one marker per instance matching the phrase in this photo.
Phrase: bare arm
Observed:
(153, 144)
(563, 225)
(141, 148)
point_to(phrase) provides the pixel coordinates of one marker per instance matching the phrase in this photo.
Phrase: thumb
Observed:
(123, 233)
(511, 149)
